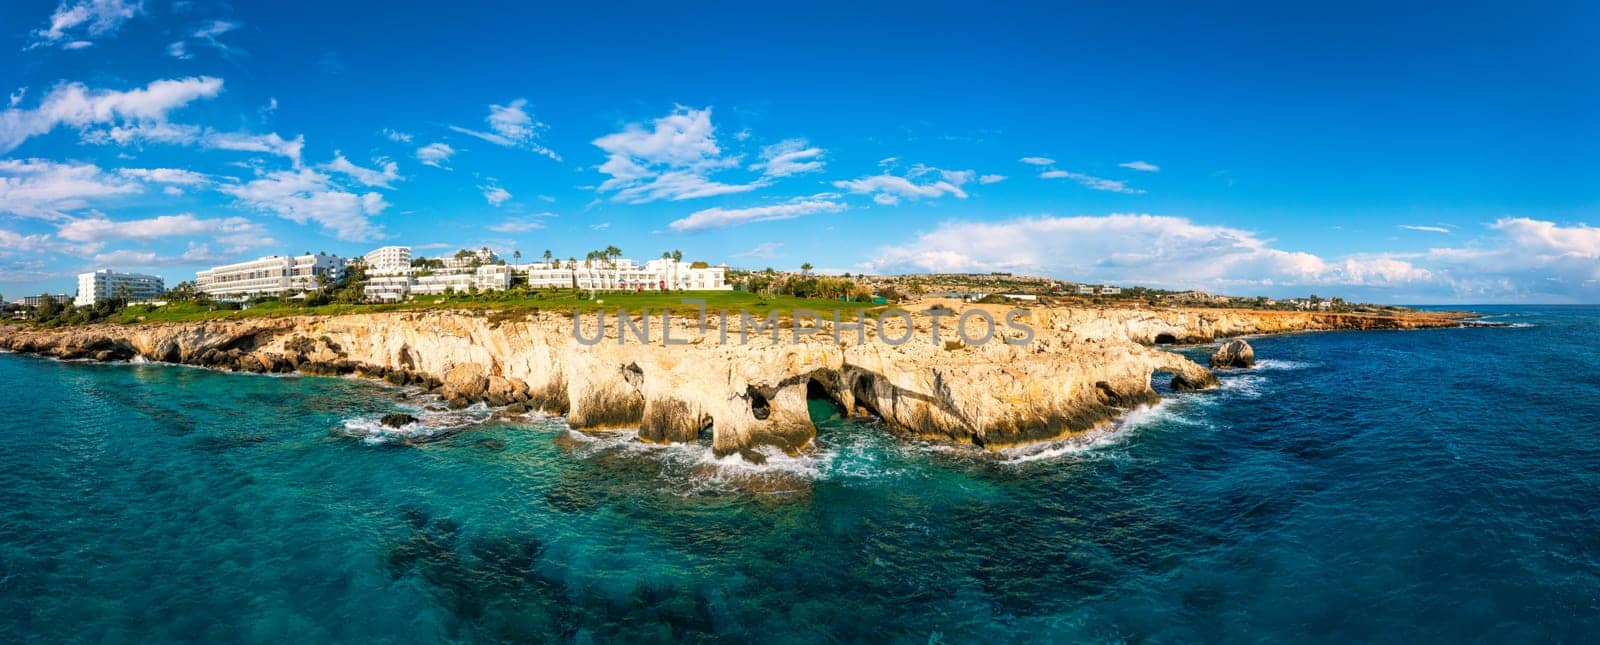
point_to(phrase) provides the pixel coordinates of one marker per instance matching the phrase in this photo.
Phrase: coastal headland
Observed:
(1081, 366)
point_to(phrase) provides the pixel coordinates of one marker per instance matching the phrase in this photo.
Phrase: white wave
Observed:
(369, 429)
(1095, 441)
(1277, 364)
(138, 359)
(1247, 386)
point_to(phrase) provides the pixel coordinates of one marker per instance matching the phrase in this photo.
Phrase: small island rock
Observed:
(397, 420)
(1234, 353)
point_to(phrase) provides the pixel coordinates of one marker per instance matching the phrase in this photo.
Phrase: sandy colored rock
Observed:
(1083, 367)
(1234, 353)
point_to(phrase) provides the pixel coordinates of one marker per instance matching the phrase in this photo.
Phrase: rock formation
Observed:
(1082, 368)
(397, 420)
(1234, 353)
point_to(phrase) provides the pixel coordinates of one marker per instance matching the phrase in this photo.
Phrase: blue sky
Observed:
(1442, 153)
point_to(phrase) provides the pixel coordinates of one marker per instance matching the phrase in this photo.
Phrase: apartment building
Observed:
(35, 301)
(389, 261)
(269, 276)
(106, 284)
(626, 275)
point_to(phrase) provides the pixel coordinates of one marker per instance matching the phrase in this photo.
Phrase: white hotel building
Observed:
(627, 275)
(269, 276)
(392, 278)
(106, 284)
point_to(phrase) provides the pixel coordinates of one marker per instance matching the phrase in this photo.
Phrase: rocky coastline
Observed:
(1082, 368)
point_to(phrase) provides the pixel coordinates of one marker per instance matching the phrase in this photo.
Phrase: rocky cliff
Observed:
(1081, 368)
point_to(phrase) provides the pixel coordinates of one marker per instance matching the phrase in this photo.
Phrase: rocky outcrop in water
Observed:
(1082, 368)
(397, 420)
(1234, 353)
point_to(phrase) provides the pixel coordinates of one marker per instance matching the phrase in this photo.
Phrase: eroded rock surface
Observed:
(1234, 353)
(1082, 368)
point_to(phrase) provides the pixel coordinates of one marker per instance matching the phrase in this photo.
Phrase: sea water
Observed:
(1436, 485)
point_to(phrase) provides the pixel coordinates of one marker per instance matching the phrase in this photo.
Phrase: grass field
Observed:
(505, 302)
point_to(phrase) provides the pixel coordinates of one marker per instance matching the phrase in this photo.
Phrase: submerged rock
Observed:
(1234, 353)
(397, 420)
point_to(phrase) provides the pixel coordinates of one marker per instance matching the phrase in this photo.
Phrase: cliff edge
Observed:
(1081, 368)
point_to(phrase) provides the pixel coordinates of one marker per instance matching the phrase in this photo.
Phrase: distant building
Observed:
(106, 284)
(465, 259)
(269, 276)
(1110, 291)
(389, 260)
(488, 277)
(664, 274)
(391, 277)
(1085, 290)
(35, 301)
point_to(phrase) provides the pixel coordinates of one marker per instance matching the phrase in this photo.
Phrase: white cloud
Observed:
(176, 176)
(189, 135)
(521, 224)
(1425, 229)
(991, 179)
(1133, 249)
(602, 226)
(789, 157)
(384, 178)
(207, 34)
(1091, 182)
(723, 217)
(435, 154)
(48, 189)
(101, 229)
(140, 133)
(1141, 166)
(495, 195)
(672, 160)
(1518, 259)
(1528, 259)
(94, 18)
(194, 255)
(13, 243)
(511, 126)
(269, 143)
(889, 189)
(396, 135)
(306, 195)
(1038, 161)
(75, 105)
(763, 251)
(17, 96)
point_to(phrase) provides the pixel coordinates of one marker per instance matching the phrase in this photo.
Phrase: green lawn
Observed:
(507, 302)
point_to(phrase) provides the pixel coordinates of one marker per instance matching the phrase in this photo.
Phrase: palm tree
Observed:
(677, 256)
(666, 255)
(805, 268)
(547, 256)
(517, 255)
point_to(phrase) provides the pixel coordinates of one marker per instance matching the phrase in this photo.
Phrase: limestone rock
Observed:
(397, 420)
(1234, 353)
(1084, 366)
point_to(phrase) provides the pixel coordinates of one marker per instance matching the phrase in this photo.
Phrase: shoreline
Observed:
(1087, 367)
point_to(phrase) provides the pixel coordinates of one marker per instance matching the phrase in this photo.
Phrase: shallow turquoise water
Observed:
(1433, 485)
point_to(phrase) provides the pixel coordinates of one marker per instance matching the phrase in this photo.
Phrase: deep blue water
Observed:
(1384, 486)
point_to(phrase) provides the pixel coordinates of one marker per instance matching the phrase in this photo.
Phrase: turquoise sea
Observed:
(1434, 486)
